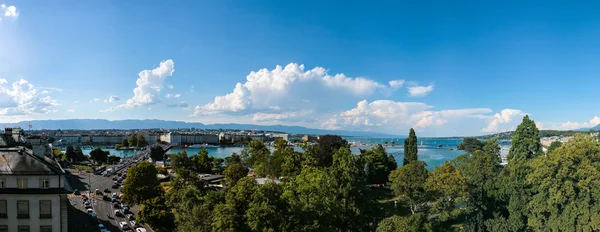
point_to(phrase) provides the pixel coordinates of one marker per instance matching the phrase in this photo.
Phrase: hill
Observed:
(543, 133)
(92, 124)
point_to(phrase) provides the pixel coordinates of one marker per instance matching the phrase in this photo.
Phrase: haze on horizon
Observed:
(466, 68)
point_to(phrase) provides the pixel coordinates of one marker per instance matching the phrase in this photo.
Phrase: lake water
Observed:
(428, 149)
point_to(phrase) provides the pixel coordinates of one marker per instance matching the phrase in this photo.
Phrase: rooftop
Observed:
(22, 161)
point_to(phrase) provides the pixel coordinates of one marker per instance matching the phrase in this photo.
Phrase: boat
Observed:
(439, 145)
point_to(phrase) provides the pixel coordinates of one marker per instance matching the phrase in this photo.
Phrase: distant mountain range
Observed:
(100, 124)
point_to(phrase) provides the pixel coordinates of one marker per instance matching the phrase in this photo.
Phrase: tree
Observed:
(470, 145)
(141, 141)
(564, 198)
(141, 183)
(408, 182)
(70, 153)
(59, 154)
(98, 155)
(155, 212)
(525, 146)
(378, 164)
(413, 223)
(79, 154)
(321, 154)
(157, 153)
(118, 146)
(235, 172)
(218, 165)
(259, 158)
(133, 140)
(449, 187)
(292, 163)
(410, 147)
(266, 211)
(202, 162)
(51, 139)
(114, 159)
(125, 143)
(554, 145)
(277, 159)
(233, 159)
(230, 216)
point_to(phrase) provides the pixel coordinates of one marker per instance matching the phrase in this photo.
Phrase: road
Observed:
(78, 217)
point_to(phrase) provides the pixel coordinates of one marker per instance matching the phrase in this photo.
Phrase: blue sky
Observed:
(442, 67)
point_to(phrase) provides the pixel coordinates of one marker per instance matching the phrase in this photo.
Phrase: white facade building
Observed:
(33, 191)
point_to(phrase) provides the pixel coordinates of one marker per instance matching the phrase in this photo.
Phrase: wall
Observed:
(32, 181)
(34, 220)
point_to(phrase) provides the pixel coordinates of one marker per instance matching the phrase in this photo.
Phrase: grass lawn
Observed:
(83, 167)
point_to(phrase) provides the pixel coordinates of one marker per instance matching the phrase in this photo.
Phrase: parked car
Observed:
(132, 222)
(86, 203)
(118, 213)
(117, 206)
(107, 190)
(130, 217)
(89, 210)
(105, 197)
(101, 227)
(94, 217)
(98, 191)
(84, 197)
(114, 178)
(115, 186)
(140, 230)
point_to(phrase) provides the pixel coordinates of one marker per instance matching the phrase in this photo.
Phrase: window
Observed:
(23, 228)
(22, 183)
(3, 213)
(44, 183)
(45, 228)
(3, 228)
(2, 183)
(22, 209)
(45, 209)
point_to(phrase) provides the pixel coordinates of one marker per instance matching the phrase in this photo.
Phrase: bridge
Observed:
(146, 151)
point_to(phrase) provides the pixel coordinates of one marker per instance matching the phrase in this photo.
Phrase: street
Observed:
(79, 220)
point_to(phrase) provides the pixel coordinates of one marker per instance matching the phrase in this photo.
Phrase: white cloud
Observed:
(303, 115)
(149, 85)
(171, 86)
(95, 100)
(75, 102)
(112, 99)
(575, 125)
(23, 99)
(70, 110)
(396, 84)
(290, 86)
(387, 115)
(505, 116)
(9, 11)
(419, 91)
(181, 104)
(172, 95)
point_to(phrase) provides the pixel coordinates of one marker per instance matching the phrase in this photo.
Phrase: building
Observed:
(283, 136)
(70, 139)
(107, 139)
(295, 138)
(309, 138)
(33, 189)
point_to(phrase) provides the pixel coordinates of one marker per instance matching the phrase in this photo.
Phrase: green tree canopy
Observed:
(235, 172)
(132, 140)
(410, 148)
(413, 223)
(141, 140)
(99, 155)
(321, 153)
(448, 187)
(378, 164)
(408, 182)
(470, 144)
(266, 211)
(259, 158)
(141, 183)
(155, 213)
(125, 143)
(202, 162)
(157, 153)
(554, 145)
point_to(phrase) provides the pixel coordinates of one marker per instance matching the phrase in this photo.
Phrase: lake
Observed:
(428, 149)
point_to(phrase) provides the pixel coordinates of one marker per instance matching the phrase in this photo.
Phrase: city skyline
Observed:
(382, 67)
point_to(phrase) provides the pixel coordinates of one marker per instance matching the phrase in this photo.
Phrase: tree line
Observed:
(327, 188)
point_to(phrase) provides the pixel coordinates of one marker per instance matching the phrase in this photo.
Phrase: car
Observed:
(119, 174)
(140, 229)
(89, 210)
(98, 191)
(115, 200)
(101, 227)
(124, 226)
(132, 222)
(84, 196)
(117, 206)
(130, 216)
(107, 190)
(86, 203)
(124, 205)
(118, 213)
(88, 206)
(84, 200)
(105, 197)
(94, 217)
(114, 178)
(126, 210)
(115, 186)
(76, 192)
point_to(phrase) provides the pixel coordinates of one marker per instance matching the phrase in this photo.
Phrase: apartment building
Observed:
(33, 190)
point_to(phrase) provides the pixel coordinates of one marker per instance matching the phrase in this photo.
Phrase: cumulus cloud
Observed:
(149, 85)
(387, 115)
(302, 115)
(70, 110)
(181, 104)
(575, 125)
(171, 86)
(172, 95)
(419, 90)
(9, 11)
(112, 99)
(23, 99)
(284, 87)
(95, 100)
(505, 116)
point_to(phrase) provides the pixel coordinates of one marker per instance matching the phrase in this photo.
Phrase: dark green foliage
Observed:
(233, 173)
(75, 154)
(266, 211)
(99, 155)
(321, 154)
(233, 159)
(259, 158)
(114, 159)
(141, 141)
(554, 145)
(410, 148)
(408, 182)
(203, 164)
(378, 164)
(155, 213)
(230, 215)
(125, 143)
(132, 140)
(526, 142)
(413, 223)
(141, 183)
(157, 154)
(470, 145)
